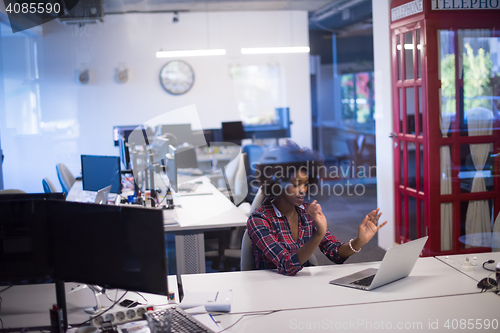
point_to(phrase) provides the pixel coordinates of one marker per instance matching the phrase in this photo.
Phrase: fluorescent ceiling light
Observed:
(272, 50)
(190, 53)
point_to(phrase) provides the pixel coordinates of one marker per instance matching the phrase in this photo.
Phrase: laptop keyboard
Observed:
(364, 281)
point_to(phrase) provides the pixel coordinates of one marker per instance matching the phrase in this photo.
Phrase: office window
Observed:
(258, 91)
(357, 99)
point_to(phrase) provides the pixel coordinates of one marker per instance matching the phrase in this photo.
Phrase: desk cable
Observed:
(268, 312)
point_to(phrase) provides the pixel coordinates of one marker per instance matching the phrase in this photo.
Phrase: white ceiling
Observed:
(111, 6)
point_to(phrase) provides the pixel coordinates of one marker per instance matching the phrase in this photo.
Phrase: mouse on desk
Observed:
(487, 283)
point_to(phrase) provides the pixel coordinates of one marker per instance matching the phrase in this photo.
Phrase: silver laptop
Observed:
(102, 196)
(398, 263)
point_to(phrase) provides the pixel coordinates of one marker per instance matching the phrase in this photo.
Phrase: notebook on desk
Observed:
(398, 263)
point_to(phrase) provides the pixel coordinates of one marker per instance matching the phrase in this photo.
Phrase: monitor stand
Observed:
(61, 301)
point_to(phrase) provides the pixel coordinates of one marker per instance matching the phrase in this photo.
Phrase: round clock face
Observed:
(177, 77)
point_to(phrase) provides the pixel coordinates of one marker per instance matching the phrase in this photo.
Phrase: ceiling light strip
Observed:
(274, 50)
(190, 53)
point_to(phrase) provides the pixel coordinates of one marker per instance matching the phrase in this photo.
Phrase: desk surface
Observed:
(195, 211)
(477, 272)
(28, 305)
(475, 312)
(268, 290)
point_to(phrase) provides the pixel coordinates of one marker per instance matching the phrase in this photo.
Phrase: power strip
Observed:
(122, 315)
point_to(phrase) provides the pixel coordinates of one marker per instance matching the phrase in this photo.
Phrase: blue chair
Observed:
(48, 187)
(65, 176)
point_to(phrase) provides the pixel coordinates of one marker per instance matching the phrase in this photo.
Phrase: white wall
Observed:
(78, 119)
(383, 116)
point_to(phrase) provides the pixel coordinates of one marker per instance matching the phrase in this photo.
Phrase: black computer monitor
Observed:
(179, 133)
(233, 132)
(110, 246)
(101, 171)
(33, 196)
(25, 256)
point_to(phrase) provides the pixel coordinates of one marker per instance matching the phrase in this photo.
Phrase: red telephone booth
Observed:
(446, 122)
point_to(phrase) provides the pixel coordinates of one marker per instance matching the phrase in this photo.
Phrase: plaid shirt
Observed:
(273, 244)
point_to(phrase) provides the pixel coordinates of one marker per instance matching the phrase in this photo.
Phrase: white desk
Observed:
(28, 305)
(476, 260)
(268, 290)
(419, 315)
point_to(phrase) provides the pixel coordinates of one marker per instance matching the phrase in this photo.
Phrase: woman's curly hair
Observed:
(279, 165)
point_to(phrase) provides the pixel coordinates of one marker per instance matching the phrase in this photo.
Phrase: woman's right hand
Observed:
(319, 218)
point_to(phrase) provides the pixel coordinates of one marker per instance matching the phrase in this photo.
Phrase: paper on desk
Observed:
(212, 300)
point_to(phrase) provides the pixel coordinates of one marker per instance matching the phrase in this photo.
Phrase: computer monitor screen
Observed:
(124, 153)
(179, 133)
(232, 131)
(110, 246)
(24, 241)
(123, 131)
(172, 168)
(101, 171)
(185, 157)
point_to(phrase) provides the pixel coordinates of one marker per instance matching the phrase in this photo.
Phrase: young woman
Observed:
(285, 230)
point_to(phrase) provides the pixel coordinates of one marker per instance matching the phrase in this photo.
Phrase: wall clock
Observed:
(177, 77)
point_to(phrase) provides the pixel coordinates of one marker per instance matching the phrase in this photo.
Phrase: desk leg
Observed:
(190, 253)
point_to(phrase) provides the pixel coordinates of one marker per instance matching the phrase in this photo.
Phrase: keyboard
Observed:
(183, 321)
(364, 281)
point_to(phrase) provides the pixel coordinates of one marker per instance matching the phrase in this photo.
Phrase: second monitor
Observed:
(101, 171)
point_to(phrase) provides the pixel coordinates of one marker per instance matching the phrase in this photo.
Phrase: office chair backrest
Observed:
(48, 187)
(257, 200)
(65, 176)
(12, 191)
(247, 262)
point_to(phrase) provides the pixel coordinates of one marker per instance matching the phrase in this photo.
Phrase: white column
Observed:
(383, 117)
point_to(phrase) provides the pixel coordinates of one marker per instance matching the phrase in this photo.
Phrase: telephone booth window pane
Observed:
(410, 110)
(476, 219)
(447, 76)
(412, 171)
(446, 226)
(400, 94)
(398, 55)
(412, 217)
(476, 168)
(479, 64)
(402, 162)
(422, 219)
(419, 51)
(403, 224)
(408, 47)
(445, 170)
(420, 129)
(421, 152)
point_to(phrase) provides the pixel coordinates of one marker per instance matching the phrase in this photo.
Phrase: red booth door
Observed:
(409, 130)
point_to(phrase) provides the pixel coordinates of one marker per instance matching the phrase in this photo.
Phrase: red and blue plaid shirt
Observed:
(273, 244)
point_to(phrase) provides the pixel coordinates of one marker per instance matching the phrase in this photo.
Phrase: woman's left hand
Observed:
(368, 228)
